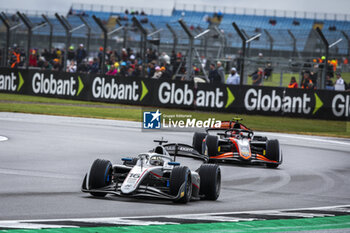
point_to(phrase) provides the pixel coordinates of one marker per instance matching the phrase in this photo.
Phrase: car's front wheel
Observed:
(181, 175)
(197, 142)
(212, 143)
(100, 175)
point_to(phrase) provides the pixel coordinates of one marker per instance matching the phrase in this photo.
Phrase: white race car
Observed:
(155, 174)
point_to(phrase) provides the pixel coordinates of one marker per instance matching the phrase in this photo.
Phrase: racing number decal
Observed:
(134, 175)
(245, 151)
(133, 178)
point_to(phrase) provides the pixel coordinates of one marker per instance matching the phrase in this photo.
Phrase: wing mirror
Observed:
(174, 163)
(127, 159)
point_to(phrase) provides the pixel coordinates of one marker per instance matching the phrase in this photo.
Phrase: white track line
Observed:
(117, 219)
(26, 225)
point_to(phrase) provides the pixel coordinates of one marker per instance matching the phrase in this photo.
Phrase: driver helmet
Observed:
(234, 133)
(156, 161)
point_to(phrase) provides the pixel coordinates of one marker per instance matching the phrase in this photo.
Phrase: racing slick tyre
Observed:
(210, 175)
(212, 143)
(179, 176)
(100, 176)
(197, 142)
(273, 152)
(130, 163)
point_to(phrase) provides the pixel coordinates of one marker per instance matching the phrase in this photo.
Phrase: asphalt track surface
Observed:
(45, 158)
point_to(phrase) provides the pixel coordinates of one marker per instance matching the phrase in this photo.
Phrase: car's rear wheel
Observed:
(210, 181)
(181, 175)
(197, 142)
(212, 143)
(100, 175)
(273, 153)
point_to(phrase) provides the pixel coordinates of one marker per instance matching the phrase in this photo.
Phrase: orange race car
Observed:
(234, 142)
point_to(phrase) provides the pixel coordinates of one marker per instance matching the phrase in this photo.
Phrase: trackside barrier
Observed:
(274, 101)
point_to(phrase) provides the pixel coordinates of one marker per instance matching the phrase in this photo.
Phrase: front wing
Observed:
(141, 191)
(235, 157)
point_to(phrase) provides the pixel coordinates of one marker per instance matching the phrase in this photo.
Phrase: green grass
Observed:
(78, 111)
(52, 106)
(38, 99)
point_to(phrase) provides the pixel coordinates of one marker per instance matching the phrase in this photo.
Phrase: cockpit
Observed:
(154, 159)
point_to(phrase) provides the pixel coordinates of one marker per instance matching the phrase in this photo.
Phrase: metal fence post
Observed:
(125, 33)
(348, 40)
(67, 29)
(243, 38)
(294, 53)
(221, 52)
(271, 40)
(105, 38)
(9, 28)
(29, 34)
(88, 33)
(143, 43)
(158, 35)
(248, 47)
(125, 36)
(71, 29)
(175, 40)
(326, 45)
(206, 47)
(7, 45)
(51, 30)
(190, 49)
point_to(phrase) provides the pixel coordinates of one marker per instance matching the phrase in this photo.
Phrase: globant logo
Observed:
(8, 82)
(157, 120)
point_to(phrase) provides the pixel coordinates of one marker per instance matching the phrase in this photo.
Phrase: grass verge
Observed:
(53, 106)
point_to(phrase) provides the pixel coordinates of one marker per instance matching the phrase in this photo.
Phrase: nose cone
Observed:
(127, 188)
(132, 181)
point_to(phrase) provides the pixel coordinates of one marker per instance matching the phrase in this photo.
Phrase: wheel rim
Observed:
(107, 177)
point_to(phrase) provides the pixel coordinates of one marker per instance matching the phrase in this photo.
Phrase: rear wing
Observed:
(183, 150)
